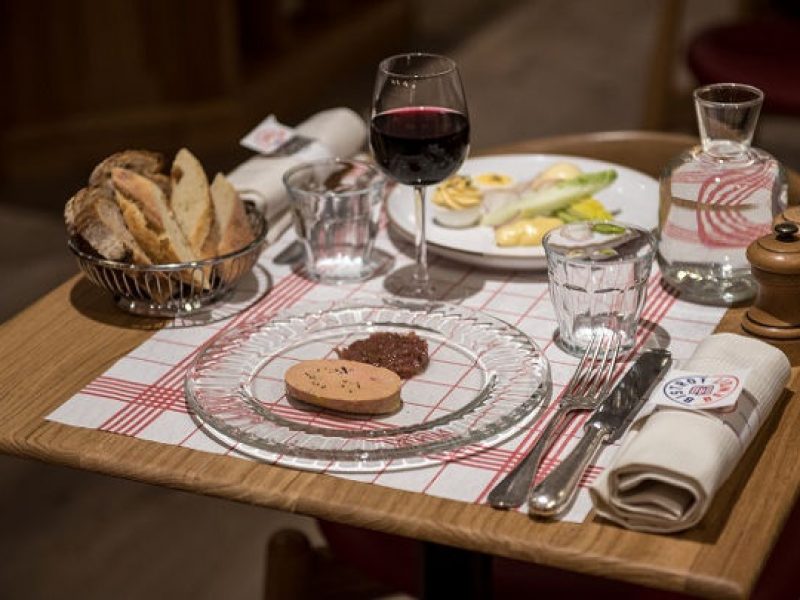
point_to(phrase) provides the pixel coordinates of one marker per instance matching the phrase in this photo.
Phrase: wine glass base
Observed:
(403, 283)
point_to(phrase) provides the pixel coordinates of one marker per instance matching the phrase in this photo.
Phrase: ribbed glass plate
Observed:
(484, 378)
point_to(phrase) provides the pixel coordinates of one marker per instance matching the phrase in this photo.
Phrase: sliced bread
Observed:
(143, 162)
(344, 385)
(232, 229)
(191, 201)
(149, 219)
(93, 215)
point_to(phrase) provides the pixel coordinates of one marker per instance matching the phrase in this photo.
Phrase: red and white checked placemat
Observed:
(142, 394)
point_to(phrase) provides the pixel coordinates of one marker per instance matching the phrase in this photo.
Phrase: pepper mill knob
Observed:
(785, 231)
(775, 265)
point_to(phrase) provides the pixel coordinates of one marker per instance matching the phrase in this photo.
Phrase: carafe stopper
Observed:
(775, 266)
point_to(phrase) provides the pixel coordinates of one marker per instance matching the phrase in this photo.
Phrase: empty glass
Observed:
(597, 274)
(336, 206)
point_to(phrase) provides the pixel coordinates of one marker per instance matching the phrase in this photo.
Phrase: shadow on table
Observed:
(456, 281)
(98, 305)
(95, 304)
(657, 336)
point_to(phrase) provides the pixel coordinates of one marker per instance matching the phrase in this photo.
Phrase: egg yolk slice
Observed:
(493, 180)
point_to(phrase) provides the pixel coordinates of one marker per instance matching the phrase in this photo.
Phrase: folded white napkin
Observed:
(673, 461)
(340, 132)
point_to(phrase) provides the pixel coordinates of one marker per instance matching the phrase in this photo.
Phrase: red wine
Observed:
(420, 145)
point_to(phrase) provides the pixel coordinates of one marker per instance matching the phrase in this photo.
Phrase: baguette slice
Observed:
(191, 200)
(93, 215)
(231, 227)
(143, 162)
(149, 219)
(344, 385)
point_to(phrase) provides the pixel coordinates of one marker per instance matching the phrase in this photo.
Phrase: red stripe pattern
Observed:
(733, 205)
(142, 394)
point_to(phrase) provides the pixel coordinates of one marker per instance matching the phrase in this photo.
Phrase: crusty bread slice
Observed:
(149, 219)
(344, 385)
(163, 181)
(190, 200)
(93, 215)
(231, 225)
(143, 162)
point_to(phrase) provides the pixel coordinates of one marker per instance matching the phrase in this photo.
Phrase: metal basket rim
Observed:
(258, 241)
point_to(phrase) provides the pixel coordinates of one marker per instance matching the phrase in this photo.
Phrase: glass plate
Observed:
(484, 377)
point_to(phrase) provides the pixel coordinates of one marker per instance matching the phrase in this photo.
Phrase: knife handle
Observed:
(555, 492)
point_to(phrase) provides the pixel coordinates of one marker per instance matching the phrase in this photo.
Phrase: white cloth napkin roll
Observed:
(673, 461)
(340, 133)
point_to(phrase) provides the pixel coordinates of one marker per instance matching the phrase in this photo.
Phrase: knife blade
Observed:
(608, 423)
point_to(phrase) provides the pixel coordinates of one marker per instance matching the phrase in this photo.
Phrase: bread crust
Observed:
(344, 386)
(149, 219)
(142, 162)
(94, 215)
(191, 200)
(230, 218)
(126, 214)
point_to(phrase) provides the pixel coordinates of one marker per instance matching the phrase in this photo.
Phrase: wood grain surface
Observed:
(59, 344)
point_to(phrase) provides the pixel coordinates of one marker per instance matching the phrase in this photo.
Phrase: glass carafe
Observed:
(717, 198)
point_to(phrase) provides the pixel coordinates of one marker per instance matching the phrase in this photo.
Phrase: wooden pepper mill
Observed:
(775, 265)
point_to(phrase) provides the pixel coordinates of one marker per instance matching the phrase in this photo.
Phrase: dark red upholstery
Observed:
(397, 562)
(763, 53)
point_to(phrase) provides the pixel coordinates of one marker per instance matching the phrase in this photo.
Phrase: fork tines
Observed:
(596, 369)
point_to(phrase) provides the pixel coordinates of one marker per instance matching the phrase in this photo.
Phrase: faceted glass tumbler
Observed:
(597, 276)
(716, 198)
(336, 207)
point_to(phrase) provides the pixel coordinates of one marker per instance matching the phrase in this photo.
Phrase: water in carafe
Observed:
(718, 197)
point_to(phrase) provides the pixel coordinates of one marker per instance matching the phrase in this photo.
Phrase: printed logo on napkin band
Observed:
(701, 391)
(268, 136)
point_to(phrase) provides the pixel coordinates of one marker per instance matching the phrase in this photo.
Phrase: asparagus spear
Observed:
(551, 199)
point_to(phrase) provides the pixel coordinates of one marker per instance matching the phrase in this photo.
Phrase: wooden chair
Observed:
(756, 46)
(759, 50)
(297, 571)
(621, 147)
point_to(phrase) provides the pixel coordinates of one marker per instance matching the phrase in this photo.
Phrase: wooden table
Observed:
(73, 334)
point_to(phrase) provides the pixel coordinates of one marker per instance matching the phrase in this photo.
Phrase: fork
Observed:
(585, 390)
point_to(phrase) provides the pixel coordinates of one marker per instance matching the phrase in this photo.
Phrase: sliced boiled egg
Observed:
(457, 192)
(456, 219)
(492, 181)
(457, 202)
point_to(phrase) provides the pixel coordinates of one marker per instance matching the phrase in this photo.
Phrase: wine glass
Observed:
(419, 134)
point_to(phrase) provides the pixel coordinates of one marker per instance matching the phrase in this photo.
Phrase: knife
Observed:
(557, 490)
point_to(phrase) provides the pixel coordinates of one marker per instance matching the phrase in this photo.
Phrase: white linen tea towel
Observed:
(673, 461)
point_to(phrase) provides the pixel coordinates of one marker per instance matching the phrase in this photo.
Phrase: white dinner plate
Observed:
(632, 198)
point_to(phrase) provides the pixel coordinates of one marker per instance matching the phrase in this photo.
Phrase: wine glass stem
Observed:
(421, 272)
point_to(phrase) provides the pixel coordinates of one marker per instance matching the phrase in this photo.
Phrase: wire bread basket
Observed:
(174, 289)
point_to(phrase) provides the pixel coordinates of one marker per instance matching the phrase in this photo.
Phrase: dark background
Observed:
(86, 78)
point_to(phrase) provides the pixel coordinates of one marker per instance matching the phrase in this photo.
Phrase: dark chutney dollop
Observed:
(405, 354)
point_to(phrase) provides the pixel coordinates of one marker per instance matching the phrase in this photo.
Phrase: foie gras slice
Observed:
(344, 385)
